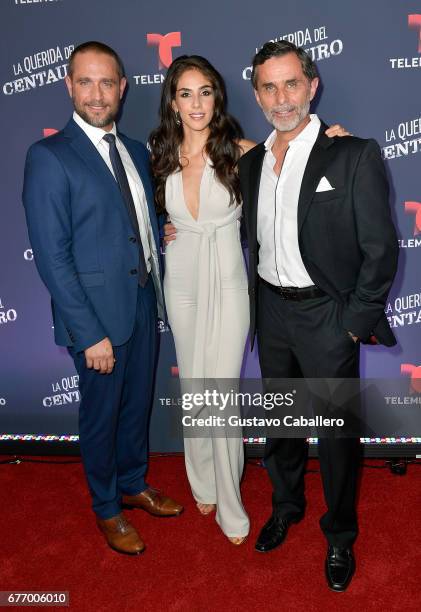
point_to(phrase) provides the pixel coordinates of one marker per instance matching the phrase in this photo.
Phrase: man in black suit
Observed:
(322, 257)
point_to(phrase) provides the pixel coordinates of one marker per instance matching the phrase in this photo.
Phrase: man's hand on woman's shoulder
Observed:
(246, 145)
(337, 130)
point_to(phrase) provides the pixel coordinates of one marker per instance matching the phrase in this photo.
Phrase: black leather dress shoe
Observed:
(274, 533)
(339, 567)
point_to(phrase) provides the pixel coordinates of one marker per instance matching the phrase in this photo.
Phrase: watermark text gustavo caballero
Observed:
(229, 401)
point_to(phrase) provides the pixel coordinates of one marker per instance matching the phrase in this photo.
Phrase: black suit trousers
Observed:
(306, 339)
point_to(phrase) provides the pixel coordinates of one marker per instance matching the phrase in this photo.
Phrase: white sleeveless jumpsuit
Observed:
(205, 287)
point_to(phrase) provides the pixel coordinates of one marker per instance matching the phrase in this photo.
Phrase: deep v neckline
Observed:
(200, 192)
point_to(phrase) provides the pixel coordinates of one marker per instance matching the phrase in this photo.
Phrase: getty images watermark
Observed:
(292, 408)
(220, 401)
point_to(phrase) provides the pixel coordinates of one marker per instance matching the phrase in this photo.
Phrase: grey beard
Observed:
(288, 126)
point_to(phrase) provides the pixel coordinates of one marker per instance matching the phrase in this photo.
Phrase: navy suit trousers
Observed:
(114, 413)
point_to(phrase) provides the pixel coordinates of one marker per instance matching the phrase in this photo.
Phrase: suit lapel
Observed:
(254, 184)
(86, 150)
(83, 146)
(141, 167)
(143, 171)
(315, 169)
(145, 177)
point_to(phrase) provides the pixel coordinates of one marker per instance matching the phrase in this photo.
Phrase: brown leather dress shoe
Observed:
(154, 502)
(120, 534)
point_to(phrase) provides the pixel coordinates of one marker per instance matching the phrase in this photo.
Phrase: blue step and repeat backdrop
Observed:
(369, 59)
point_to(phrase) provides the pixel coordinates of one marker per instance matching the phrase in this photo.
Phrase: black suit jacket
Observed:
(347, 240)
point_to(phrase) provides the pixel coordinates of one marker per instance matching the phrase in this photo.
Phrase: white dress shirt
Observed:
(96, 136)
(280, 260)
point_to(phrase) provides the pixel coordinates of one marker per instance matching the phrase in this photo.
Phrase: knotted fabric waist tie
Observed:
(208, 317)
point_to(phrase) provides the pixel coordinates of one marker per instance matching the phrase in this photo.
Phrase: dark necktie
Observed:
(123, 183)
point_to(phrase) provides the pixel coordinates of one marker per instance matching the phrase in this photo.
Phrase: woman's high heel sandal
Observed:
(237, 540)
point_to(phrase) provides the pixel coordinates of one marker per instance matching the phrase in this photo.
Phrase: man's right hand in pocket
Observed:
(100, 356)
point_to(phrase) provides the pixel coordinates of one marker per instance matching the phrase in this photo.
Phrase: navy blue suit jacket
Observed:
(82, 237)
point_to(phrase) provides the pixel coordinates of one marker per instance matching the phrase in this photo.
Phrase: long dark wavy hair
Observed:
(222, 145)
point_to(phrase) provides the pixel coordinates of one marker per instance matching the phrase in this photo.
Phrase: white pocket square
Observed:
(324, 185)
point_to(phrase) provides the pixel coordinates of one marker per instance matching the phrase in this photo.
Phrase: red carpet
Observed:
(49, 541)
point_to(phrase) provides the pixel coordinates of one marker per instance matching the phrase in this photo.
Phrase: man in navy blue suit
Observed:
(90, 212)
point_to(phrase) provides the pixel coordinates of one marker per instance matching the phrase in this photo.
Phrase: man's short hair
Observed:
(98, 47)
(278, 49)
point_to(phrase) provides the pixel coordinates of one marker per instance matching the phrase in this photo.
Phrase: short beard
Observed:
(99, 122)
(287, 126)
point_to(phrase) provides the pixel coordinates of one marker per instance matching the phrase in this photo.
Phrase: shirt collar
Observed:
(308, 134)
(95, 134)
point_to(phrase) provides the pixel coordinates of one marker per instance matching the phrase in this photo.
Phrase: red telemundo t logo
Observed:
(49, 132)
(414, 372)
(414, 22)
(165, 44)
(415, 209)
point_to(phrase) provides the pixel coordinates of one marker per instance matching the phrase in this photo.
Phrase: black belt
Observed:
(294, 293)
